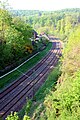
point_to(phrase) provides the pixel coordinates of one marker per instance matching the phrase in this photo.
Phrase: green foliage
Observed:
(29, 103)
(26, 117)
(15, 34)
(59, 23)
(5, 21)
(22, 27)
(44, 40)
(24, 112)
(64, 102)
(15, 42)
(26, 12)
(13, 116)
(71, 53)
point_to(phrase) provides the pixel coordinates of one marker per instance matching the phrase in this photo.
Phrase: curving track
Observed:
(14, 96)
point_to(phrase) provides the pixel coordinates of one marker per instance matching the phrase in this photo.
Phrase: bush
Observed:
(13, 116)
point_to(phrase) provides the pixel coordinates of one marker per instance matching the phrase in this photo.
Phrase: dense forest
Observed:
(59, 23)
(62, 101)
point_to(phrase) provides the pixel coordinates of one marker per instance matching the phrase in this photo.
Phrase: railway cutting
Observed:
(14, 97)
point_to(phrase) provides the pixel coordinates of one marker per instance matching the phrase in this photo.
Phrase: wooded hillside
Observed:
(60, 23)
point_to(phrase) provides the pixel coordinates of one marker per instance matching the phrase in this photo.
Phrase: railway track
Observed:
(14, 96)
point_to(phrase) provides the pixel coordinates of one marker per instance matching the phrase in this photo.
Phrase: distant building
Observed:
(43, 34)
(35, 34)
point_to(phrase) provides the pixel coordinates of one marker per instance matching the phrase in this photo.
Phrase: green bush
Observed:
(26, 117)
(64, 103)
(13, 116)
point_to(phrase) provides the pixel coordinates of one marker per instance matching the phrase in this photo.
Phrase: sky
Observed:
(48, 5)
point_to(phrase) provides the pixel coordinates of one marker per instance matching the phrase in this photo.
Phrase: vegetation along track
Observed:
(14, 96)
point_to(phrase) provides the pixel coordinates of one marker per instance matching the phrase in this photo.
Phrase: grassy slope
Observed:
(14, 75)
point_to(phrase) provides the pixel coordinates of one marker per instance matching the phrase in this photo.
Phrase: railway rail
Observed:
(14, 96)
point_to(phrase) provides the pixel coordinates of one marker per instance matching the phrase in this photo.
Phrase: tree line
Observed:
(59, 23)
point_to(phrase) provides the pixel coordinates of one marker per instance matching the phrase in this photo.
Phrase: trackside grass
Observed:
(35, 108)
(24, 68)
